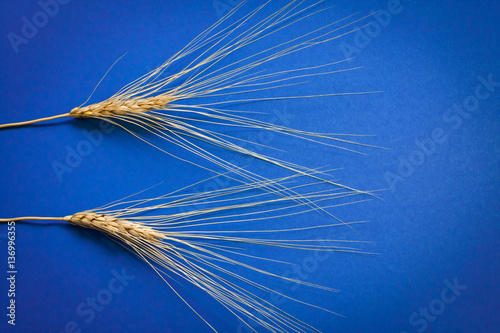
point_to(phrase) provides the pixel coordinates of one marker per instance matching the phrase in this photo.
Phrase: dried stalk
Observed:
(193, 245)
(171, 106)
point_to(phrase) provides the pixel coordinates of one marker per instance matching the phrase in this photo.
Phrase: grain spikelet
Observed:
(214, 246)
(227, 59)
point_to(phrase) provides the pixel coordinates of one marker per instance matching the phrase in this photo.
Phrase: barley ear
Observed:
(111, 107)
(131, 231)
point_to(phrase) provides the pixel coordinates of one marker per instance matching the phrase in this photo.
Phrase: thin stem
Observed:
(23, 123)
(32, 218)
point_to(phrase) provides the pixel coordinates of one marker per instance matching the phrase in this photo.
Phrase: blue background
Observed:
(438, 219)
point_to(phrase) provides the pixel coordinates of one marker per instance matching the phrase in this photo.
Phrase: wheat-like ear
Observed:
(176, 106)
(210, 246)
(114, 226)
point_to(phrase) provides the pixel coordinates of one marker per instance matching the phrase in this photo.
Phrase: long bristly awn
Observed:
(214, 246)
(228, 59)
